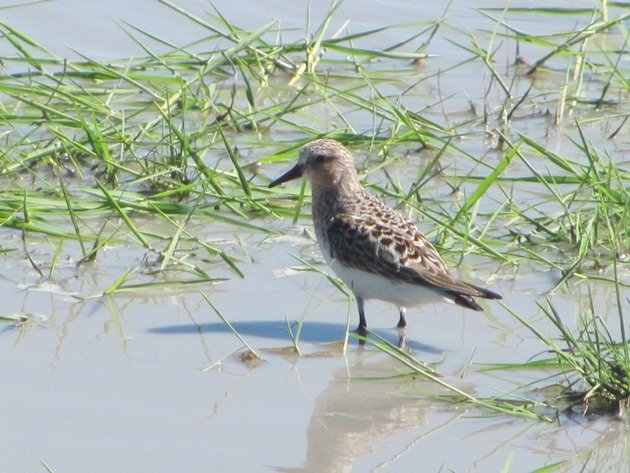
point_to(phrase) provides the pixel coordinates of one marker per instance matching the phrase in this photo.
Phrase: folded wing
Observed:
(400, 252)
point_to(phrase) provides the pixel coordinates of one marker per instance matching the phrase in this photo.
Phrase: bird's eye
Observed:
(320, 158)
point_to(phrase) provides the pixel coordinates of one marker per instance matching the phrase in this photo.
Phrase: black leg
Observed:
(401, 321)
(362, 328)
(362, 322)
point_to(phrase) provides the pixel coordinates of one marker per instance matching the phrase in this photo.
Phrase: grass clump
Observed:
(95, 152)
(594, 364)
(578, 209)
(143, 151)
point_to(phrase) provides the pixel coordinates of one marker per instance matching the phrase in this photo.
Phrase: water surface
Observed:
(151, 381)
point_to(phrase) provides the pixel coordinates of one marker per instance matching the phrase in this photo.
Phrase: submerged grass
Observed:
(594, 364)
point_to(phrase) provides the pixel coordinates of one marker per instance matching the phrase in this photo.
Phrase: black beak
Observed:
(293, 173)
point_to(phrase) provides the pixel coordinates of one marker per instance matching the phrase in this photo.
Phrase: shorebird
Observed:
(376, 251)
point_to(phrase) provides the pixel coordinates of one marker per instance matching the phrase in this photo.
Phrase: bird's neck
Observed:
(331, 198)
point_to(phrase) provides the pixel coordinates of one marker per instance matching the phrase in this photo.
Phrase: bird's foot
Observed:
(361, 331)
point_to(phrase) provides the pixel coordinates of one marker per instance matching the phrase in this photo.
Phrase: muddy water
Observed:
(148, 382)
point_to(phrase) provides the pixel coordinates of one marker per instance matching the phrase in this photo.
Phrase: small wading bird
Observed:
(376, 252)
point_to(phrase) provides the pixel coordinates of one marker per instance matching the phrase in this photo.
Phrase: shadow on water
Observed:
(312, 332)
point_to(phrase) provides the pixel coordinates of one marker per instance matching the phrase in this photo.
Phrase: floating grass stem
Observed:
(417, 367)
(231, 327)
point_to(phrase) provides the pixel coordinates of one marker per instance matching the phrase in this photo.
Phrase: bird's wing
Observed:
(400, 252)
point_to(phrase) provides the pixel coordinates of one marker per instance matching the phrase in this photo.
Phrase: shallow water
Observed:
(151, 381)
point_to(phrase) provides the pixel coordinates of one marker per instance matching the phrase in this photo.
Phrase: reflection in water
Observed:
(351, 415)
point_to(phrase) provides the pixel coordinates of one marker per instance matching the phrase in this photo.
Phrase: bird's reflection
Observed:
(352, 414)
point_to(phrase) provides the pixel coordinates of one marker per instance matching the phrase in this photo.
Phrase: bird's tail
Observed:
(467, 301)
